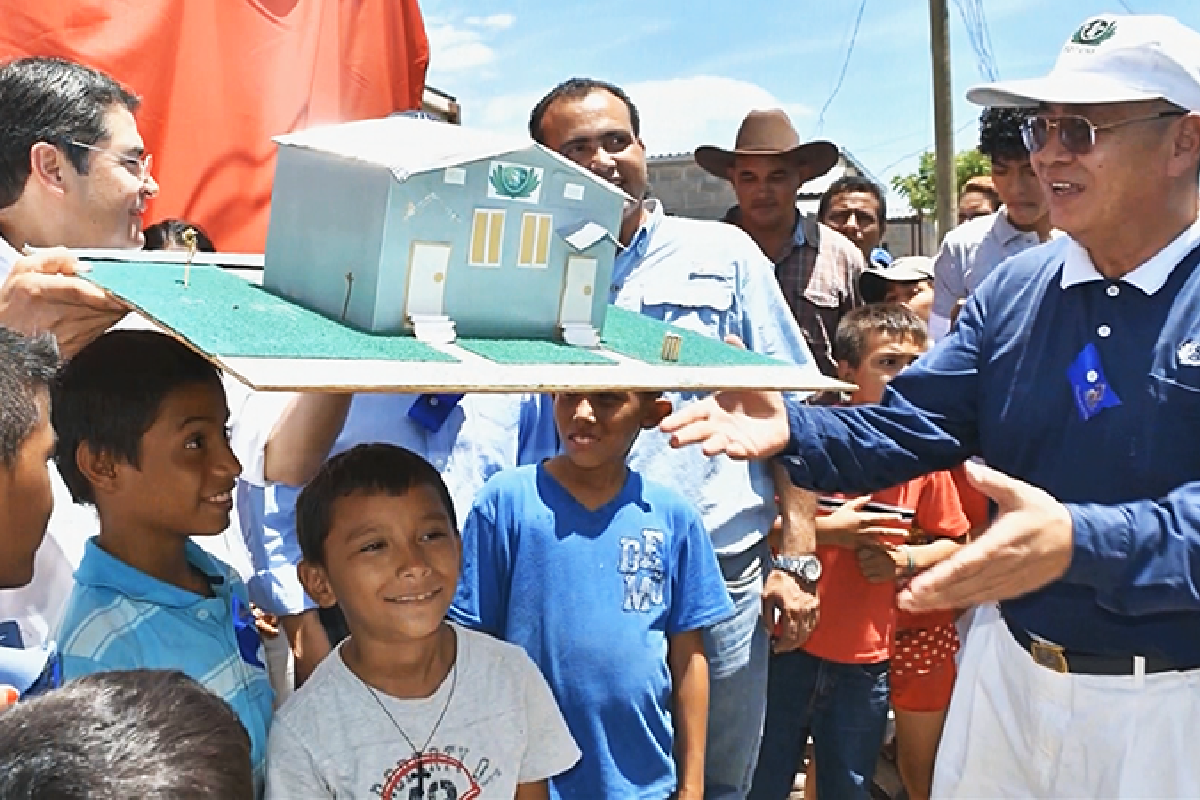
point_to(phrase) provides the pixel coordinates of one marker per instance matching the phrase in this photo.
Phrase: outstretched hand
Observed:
(43, 293)
(745, 425)
(1027, 546)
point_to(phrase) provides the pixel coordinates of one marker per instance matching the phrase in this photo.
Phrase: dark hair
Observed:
(149, 734)
(27, 367)
(110, 393)
(577, 89)
(167, 232)
(51, 100)
(854, 183)
(888, 319)
(371, 469)
(1000, 133)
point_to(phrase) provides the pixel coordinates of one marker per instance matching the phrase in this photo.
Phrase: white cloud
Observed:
(681, 114)
(455, 48)
(678, 115)
(498, 22)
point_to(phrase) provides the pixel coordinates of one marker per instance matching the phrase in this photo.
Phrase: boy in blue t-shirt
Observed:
(606, 580)
(141, 422)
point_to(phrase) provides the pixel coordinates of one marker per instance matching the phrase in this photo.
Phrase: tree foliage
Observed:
(920, 188)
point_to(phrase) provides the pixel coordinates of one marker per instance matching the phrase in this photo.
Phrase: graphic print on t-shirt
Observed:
(435, 776)
(642, 566)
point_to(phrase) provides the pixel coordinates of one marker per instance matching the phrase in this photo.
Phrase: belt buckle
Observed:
(1048, 655)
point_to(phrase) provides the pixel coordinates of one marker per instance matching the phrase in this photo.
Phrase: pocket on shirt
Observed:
(697, 302)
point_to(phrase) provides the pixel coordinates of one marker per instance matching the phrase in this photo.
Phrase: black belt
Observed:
(1056, 658)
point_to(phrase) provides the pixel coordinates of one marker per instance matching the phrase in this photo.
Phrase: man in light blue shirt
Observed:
(713, 279)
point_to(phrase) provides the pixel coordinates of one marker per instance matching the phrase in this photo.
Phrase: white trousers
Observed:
(1019, 730)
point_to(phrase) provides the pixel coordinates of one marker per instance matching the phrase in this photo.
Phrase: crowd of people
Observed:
(991, 541)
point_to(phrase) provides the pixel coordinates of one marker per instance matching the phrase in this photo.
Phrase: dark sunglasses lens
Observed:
(1076, 134)
(1033, 132)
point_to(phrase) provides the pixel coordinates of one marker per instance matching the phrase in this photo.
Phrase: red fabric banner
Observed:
(219, 78)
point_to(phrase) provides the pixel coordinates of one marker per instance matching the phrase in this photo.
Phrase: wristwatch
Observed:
(806, 568)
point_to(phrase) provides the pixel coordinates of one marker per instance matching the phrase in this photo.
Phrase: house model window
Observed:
(535, 240)
(487, 232)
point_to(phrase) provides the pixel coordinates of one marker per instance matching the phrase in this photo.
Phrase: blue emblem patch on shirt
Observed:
(246, 633)
(431, 411)
(1089, 386)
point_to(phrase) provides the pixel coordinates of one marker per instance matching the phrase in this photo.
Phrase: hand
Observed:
(43, 294)
(267, 624)
(797, 606)
(745, 425)
(881, 562)
(1027, 546)
(849, 525)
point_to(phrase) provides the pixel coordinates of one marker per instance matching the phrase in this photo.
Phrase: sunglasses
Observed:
(1076, 134)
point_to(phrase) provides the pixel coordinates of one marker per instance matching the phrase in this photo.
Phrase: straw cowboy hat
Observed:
(770, 133)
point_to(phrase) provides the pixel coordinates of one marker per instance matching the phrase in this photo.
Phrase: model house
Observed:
(404, 225)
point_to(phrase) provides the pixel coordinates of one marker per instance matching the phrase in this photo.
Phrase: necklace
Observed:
(419, 755)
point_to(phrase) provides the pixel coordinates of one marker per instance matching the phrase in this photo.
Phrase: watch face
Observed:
(811, 569)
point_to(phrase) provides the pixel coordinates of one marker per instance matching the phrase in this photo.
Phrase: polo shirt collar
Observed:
(1149, 277)
(1003, 229)
(100, 570)
(641, 239)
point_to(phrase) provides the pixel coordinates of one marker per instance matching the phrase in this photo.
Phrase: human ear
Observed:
(315, 581)
(46, 165)
(1186, 146)
(658, 410)
(98, 467)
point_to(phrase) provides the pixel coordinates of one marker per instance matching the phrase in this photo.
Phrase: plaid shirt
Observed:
(819, 278)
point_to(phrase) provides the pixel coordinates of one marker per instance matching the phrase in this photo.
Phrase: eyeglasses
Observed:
(138, 165)
(1076, 134)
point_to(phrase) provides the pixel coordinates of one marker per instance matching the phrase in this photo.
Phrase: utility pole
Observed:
(943, 117)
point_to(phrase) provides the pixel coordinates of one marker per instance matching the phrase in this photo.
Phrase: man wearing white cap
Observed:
(1076, 371)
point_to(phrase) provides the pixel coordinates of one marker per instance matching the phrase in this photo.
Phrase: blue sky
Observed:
(695, 67)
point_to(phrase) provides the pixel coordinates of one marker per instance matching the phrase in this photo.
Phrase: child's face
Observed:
(883, 358)
(599, 428)
(917, 295)
(391, 563)
(26, 500)
(185, 482)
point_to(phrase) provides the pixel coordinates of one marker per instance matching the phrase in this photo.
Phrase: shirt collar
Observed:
(641, 240)
(1003, 229)
(734, 214)
(100, 570)
(1149, 277)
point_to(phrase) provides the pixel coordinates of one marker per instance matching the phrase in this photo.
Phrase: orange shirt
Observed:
(858, 618)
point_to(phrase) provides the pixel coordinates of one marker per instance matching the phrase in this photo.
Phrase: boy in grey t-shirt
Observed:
(409, 704)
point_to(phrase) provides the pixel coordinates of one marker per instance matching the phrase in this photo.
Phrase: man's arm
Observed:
(784, 593)
(949, 289)
(689, 691)
(43, 294)
(303, 435)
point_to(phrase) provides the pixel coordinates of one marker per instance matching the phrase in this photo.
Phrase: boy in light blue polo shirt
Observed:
(141, 424)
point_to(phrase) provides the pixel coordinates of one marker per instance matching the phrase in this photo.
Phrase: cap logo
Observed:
(1094, 32)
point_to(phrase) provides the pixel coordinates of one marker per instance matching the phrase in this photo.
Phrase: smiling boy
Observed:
(141, 421)
(607, 581)
(408, 703)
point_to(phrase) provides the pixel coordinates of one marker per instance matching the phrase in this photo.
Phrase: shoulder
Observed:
(1027, 271)
(711, 237)
(98, 624)
(970, 233)
(502, 662)
(508, 483)
(834, 243)
(666, 500)
(319, 695)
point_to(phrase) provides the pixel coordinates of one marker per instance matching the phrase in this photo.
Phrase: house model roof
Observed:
(409, 146)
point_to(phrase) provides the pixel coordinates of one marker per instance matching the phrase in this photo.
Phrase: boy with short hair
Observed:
(836, 685)
(606, 580)
(408, 705)
(141, 421)
(27, 366)
(146, 734)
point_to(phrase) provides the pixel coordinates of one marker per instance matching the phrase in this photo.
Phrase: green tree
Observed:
(920, 188)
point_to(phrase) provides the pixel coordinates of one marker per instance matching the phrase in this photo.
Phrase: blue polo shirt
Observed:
(1028, 381)
(713, 279)
(121, 618)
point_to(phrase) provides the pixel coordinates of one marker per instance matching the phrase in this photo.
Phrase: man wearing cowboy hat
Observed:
(1075, 373)
(817, 268)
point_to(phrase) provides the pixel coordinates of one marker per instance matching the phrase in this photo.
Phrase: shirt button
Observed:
(1092, 376)
(1104, 331)
(1113, 290)
(202, 614)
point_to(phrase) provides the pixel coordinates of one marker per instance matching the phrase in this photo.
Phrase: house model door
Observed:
(427, 279)
(579, 288)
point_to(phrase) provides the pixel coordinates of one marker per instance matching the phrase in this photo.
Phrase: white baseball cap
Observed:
(1112, 59)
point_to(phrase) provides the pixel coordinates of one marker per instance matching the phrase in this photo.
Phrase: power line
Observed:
(923, 148)
(845, 65)
(1125, 6)
(975, 21)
